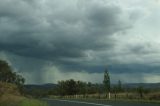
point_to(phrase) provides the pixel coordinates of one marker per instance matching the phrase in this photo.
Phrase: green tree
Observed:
(115, 91)
(120, 89)
(141, 91)
(117, 88)
(81, 87)
(106, 82)
(71, 87)
(68, 87)
(8, 76)
(61, 89)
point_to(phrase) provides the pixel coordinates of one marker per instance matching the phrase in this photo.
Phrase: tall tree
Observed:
(140, 91)
(120, 86)
(106, 82)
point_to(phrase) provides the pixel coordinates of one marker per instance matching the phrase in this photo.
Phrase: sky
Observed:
(51, 40)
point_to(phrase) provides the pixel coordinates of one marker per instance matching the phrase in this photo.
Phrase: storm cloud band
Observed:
(78, 35)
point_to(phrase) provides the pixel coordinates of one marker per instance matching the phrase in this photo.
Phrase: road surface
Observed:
(58, 102)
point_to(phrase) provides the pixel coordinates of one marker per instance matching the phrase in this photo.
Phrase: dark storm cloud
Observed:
(133, 68)
(73, 35)
(27, 31)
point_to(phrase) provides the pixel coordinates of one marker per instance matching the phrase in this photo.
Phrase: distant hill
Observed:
(145, 85)
(128, 85)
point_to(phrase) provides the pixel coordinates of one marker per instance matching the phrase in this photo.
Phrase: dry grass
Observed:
(10, 96)
(12, 100)
(7, 88)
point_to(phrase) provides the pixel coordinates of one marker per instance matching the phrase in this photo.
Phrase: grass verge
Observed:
(32, 102)
(12, 100)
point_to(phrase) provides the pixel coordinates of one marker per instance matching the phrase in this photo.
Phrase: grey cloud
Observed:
(133, 68)
(62, 32)
(30, 37)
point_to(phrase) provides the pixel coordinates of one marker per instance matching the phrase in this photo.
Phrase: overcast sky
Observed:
(51, 40)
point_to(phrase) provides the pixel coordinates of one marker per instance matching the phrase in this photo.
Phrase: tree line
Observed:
(67, 87)
(72, 87)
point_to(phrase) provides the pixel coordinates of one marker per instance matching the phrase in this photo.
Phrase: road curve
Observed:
(58, 102)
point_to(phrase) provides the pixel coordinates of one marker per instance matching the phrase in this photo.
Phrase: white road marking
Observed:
(80, 102)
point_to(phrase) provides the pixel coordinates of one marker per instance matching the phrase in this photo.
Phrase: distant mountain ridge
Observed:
(145, 85)
(127, 85)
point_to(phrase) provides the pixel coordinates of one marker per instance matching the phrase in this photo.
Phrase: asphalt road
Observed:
(57, 102)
